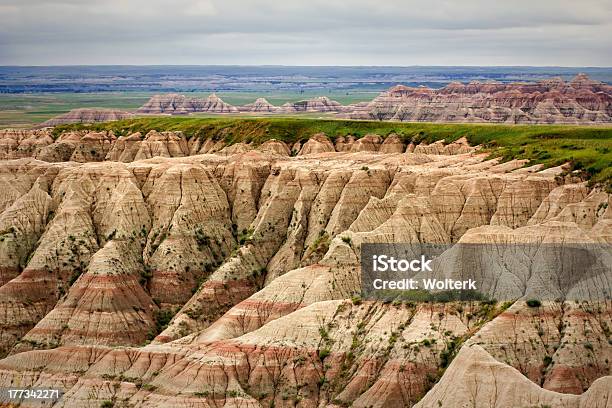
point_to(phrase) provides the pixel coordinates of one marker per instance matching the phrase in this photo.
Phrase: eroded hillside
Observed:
(158, 271)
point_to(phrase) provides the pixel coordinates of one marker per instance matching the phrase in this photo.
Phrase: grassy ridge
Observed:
(588, 148)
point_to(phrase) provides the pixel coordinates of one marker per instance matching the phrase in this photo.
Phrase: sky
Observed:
(313, 32)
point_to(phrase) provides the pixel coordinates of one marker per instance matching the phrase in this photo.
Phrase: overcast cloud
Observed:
(314, 32)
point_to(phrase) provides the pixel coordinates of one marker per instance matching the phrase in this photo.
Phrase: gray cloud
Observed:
(314, 32)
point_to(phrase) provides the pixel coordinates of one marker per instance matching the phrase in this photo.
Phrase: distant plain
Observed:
(30, 95)
(25, 110)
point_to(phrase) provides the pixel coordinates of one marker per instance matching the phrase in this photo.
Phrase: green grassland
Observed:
(587, 148)
(27, 110)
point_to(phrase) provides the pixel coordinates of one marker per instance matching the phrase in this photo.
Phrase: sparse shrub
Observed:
(75, 275)
(323, 333)
(145, 275)
(245, 236)
(534, 303)
(162, 319)
(193, 313)
(428, 342)
(202, 239)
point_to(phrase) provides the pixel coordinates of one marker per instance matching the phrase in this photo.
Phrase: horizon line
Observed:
(305, 66)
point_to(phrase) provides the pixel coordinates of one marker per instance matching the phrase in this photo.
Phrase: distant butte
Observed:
(579, 101)
(88, 115)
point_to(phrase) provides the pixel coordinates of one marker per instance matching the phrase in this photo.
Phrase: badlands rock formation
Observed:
(69, 146)
(162, 271)
(578, 101)
(176, 104)
(168, 103)
(318, 104)
(88, 115)
(260, 105)
(83, 146)
(179, 104)
(550, 101)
